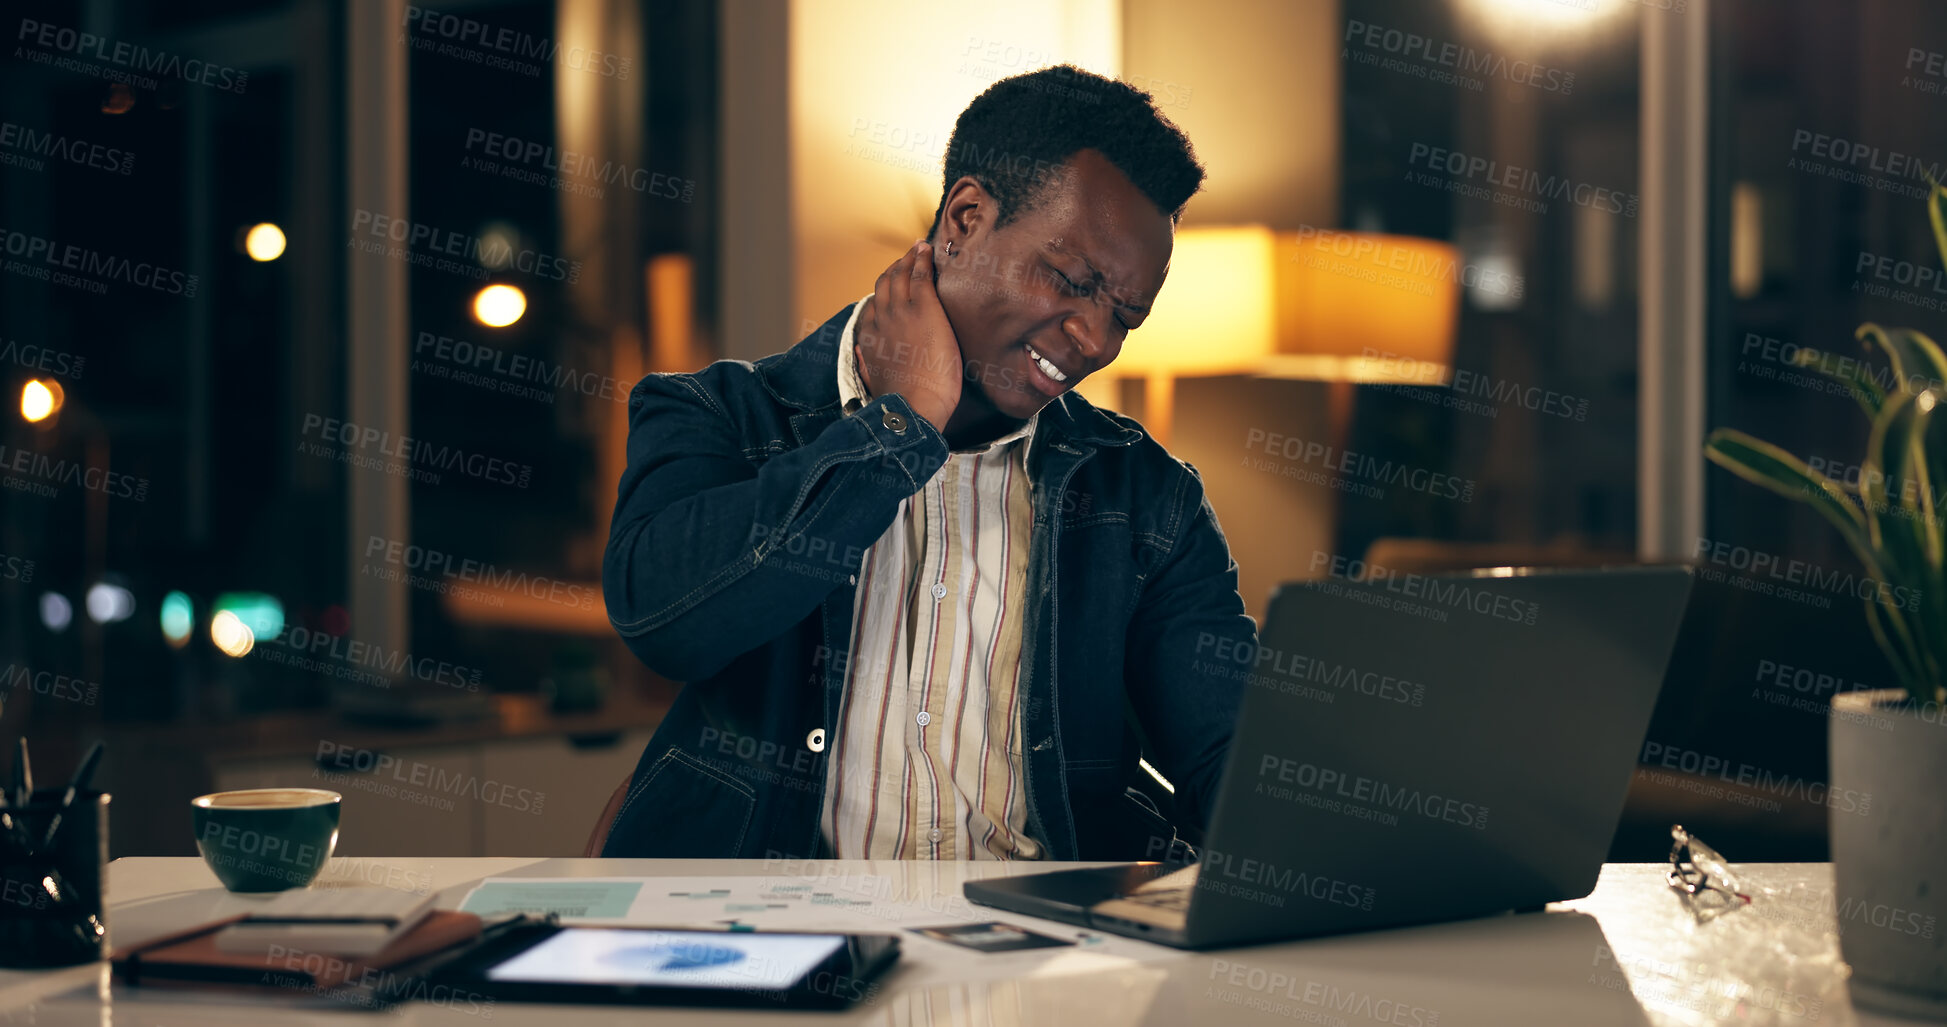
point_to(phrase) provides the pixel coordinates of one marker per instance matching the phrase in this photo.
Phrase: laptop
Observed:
(1409, 750)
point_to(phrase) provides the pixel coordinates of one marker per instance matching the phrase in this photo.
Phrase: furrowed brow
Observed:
(1101, 281)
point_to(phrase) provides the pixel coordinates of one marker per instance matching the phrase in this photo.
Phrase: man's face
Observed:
(1065, 280)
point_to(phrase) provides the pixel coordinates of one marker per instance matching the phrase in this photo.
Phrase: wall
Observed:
(875, 88)
(1255, 84)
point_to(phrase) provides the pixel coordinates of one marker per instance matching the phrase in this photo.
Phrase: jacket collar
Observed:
(804, 377)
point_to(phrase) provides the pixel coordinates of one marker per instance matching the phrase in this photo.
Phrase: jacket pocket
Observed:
(685, 807)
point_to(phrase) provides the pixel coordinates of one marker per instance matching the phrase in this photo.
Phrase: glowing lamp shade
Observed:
(1365, 307)
(40, 399)
(264, 242)
(178, 619)
(231, 634)
(498, 306)
(1217, 314)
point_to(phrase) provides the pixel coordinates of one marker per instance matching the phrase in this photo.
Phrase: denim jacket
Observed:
(747, 507)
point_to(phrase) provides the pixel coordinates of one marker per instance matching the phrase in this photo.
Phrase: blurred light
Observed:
(56, 612)
(178, 619)
(109, 603)
(1545, 13)
(265, 242)
(1747, 240)
(336, 621)
(499, 241)
(40, 399)
(119, 99)
(261, 613)
(231, 634)
(1594, 234)
(498, 306)
(1490, 290)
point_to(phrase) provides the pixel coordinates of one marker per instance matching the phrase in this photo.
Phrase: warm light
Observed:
(109, 603)
(265, 242)
(499, 241)
(56, 612)
(40, 399)
(231, 634)
(119, 99)
(1217, 313)
(1520, 19)
(498, 306)
(1747, 240)
(178, 617)
(1366, 307)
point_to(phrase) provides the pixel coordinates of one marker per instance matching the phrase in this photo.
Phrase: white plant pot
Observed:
(1889, 860)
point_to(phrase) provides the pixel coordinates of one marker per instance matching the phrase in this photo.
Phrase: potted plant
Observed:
(1889, 866)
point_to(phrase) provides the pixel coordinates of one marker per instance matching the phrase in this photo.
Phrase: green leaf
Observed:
(1898, 656)
(1762, 463)
(1908, 544)
(1917, 361)
(1937, 213)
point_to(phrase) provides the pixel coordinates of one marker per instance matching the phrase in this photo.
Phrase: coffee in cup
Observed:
(266, 839)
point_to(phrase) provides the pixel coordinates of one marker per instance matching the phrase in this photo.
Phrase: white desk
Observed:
(1627, 955)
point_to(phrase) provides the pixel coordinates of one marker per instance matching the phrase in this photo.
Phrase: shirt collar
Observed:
(852, 393)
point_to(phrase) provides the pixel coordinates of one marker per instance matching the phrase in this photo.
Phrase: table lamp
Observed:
(1218, 314)
(1364, 308)
(1361, 307)
(1341, 307)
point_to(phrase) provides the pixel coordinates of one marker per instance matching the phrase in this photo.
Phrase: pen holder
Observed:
(51, 911)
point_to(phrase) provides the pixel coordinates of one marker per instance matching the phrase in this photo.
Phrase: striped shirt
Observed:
(927, 760)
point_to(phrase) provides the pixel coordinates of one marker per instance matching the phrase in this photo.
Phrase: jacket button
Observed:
(895, 423)
(815, 741)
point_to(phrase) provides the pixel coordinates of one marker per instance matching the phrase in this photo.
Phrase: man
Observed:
(927, 602)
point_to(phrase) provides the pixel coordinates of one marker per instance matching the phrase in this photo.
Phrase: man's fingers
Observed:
(902, 275)
(922, 266)
(922, 287)
(882, 289)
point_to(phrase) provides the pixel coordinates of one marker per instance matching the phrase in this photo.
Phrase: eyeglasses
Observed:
(1702, 876)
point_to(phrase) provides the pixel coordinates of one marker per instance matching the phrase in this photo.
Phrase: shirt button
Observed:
(852, 579)
(939, 591)
(934, 835)
(895, 423)
(924, 718)
(815, 741)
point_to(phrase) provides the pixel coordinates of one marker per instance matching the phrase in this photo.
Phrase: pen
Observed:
(75, 784)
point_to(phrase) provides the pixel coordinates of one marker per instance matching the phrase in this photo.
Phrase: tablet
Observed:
(656, 966)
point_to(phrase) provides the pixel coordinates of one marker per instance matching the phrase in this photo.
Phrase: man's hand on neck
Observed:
(905, 342)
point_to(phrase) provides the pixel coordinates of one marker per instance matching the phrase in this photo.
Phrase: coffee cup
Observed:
(266, 839)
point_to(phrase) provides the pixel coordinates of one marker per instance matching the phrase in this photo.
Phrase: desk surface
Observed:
(1628, 954)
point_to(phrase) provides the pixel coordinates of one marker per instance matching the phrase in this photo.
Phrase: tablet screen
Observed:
(680, 959)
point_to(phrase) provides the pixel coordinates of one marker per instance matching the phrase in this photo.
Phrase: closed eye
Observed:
(1084, 290)
(1069, 283)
